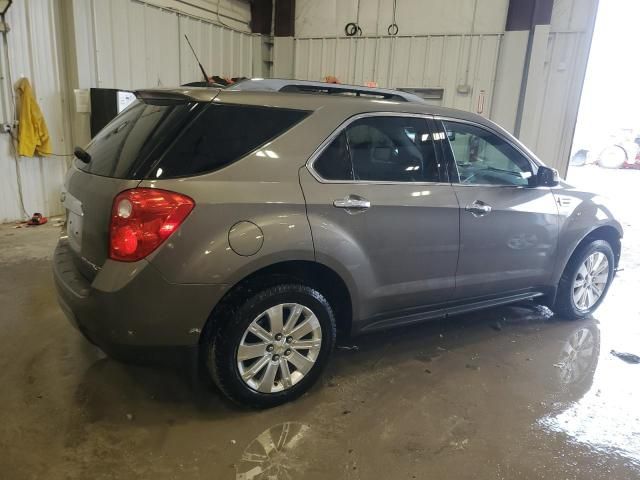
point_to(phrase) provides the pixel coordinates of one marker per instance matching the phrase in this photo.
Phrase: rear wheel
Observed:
(273, 347)
(586, 280)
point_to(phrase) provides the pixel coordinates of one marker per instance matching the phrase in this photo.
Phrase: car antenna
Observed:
(206, 77)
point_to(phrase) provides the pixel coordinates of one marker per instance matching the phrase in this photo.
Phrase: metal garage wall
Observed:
(66, 44)
(454, 43)
(140, 45)
(327, 18)
(559, 62)
(442, 61)
(33, 53)
(132, 44)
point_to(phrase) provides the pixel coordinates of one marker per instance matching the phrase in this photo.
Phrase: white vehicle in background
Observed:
(620, 150)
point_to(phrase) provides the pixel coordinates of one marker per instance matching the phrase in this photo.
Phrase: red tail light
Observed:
(143, 218)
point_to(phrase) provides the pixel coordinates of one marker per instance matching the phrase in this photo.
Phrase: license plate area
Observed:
(74, 230)
(74, 220)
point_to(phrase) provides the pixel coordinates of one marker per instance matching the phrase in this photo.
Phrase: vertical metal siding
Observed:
(140, 45)
(33, 53)
(551, 124)
(134, 44)
(443, 61)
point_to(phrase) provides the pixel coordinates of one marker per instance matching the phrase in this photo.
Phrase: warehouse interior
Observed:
(513, 391)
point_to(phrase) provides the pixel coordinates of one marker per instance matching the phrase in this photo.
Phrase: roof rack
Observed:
(306, 86)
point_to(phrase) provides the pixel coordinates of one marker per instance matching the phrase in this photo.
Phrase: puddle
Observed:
(606, 418)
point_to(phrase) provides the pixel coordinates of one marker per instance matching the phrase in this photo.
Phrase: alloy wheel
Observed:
(279, 347)
(590, 281)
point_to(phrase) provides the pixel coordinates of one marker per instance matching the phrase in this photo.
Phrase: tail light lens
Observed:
(143, 218)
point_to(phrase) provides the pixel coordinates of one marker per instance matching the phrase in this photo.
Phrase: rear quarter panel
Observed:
(262, 188)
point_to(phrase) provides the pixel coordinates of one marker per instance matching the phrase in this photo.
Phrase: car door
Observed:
(508, 225)
(381, 216)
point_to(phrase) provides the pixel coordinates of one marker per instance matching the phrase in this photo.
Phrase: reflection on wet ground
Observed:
(513, 392)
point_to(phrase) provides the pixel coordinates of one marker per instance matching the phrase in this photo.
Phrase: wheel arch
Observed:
(317, 275)
(607, 233)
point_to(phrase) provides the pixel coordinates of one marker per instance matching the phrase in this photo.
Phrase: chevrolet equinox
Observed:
(253, 227)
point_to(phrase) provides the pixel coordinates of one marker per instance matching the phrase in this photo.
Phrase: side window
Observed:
(222, 134)
(484, 158)
(388, 149)
(392, 149)
(334, 163)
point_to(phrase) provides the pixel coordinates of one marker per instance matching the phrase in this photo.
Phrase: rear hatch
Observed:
(121, 155)
(163, 135)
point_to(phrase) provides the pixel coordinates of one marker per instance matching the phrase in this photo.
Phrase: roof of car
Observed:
(342, 105)
(310, 101)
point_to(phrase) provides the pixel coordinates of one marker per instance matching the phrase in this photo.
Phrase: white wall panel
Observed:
(140, 45)
(509, 78)
(33, 53)
(414, 17)
(109, 43)
(417, 61)
(234, 14)
(573, 15)
(549, 120)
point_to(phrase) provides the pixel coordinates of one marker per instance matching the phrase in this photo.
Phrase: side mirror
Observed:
(547, 177)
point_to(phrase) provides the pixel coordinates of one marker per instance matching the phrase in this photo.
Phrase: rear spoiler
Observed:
(176, 95)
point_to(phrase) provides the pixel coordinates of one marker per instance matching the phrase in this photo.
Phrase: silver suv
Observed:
(254, 227)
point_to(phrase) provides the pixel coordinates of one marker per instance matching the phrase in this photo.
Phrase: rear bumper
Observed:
(131, 305)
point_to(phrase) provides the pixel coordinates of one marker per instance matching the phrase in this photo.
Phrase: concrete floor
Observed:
(463, 398)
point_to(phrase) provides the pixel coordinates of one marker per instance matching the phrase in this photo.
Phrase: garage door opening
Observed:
(606, 154)
(605, 160)
(608, 127)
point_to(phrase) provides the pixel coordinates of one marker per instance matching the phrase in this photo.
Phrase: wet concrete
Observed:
(508, 393)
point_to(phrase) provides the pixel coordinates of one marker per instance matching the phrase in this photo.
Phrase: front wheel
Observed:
(585, 280)
(272, 347)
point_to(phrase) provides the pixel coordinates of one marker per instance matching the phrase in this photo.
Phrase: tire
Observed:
(613, 156)
(566, 304)
(224, 344)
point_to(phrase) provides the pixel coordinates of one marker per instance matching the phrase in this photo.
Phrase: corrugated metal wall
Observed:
(140, 45)
(552, 101)
(442, 61)
(550, 118)
(328, 18)
(130, 44)
(33, 53)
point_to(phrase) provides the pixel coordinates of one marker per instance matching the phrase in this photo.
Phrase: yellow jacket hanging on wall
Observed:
(33, 136)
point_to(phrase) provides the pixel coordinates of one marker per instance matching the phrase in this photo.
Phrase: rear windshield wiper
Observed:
(82, 155)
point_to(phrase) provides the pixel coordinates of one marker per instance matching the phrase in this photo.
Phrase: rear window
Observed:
(176, 140)
(122, 148)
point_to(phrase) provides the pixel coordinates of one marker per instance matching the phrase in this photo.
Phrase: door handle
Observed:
(352, 203)
(478, 208)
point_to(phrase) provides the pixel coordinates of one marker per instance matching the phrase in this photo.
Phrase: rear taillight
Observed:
(143, 218)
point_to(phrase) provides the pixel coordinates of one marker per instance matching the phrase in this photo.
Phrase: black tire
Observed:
(564, 303)
(223, 342)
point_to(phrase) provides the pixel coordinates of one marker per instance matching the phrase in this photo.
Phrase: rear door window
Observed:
(385, 149)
